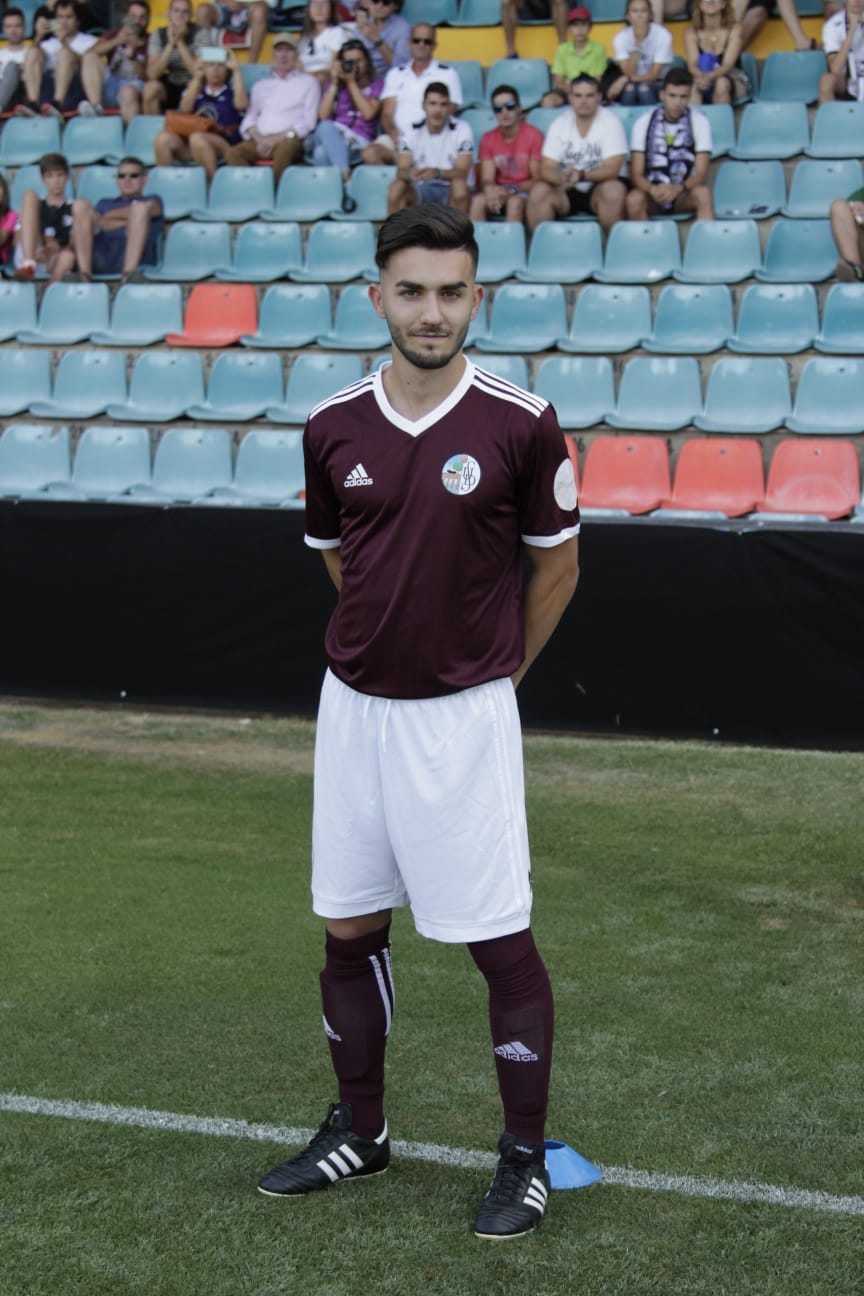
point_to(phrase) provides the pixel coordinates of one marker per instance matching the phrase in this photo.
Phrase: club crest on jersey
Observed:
(460, 474)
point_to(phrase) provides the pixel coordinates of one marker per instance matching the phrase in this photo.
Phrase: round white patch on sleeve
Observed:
(564, 487)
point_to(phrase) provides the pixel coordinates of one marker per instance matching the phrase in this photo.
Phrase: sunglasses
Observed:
(422, 40)
(509, 106)
(129, 175)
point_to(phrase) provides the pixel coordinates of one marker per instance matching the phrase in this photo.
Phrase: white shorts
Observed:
(422, 801)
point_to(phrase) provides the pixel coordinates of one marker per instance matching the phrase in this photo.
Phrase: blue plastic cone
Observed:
(567, 1169)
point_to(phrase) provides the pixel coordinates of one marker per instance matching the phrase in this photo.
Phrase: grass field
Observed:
(700, 910)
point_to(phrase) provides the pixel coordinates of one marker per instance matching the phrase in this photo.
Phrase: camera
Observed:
(347, 65)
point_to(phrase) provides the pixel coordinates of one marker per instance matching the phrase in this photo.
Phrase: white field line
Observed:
(461, 1158)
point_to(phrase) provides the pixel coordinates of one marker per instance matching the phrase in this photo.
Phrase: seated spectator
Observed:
(843, 42)
(435, 157)
(402, 94)
(847, 227)
(584, 158)
(118, 234)
(52, 69)
(509, 158)
(283, 110)
(243, 24)
(117, 83)
(554, 11)
(670, 149)
(712, 46)
(216, 93)
(348, 113)
(321, 38)
(643, 50)
(12, 57)
(8, 221)
(171, 55)
(753, 15)
(579, 53)
(384, 32)
(45, 225)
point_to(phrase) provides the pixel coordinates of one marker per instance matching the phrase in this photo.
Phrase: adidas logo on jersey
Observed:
(358, 477)
(516, 1052)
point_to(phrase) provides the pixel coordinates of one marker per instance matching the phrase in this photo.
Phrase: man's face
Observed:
(579, 31)
(506, 110)
(137, 17)
(179, 13)
(67, 20)
(584, 99)
(422, 43)
(428, 299)
(283, 58)
(854, 9)
(437, 109)
(55, 183)
(674, 99)
(131, 179)
(13, 29)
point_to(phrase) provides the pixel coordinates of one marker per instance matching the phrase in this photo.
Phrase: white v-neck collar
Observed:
(412, 427)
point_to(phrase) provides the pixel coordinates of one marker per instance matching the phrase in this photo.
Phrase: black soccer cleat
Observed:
(517, 1199)
(333, 1154)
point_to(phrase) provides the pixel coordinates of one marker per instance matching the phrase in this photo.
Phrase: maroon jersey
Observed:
(431, 517)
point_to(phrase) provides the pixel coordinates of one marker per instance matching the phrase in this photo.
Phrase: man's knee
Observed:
(637, 205)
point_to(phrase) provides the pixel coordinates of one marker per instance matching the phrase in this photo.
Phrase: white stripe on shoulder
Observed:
(347, 393)
(550, 541)
(505, 390)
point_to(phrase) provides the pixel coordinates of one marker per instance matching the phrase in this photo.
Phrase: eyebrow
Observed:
(408, 283)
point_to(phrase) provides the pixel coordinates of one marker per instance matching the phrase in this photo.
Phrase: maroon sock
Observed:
(357, 998)
(521, 1015)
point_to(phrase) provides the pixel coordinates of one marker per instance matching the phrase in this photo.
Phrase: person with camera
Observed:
(348, 113)
(113, 71)
(216, 94)
(843, 43)
(384, 32)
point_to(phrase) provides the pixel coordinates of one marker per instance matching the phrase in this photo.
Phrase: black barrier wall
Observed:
(742, 634)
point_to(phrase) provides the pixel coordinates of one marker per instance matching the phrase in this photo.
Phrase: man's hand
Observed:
(495, 197)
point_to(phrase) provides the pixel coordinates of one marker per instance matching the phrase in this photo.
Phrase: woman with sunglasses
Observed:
(348, 113)
(712, 47)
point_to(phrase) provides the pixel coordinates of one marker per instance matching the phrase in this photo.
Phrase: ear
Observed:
(375, 298)
(479, 294)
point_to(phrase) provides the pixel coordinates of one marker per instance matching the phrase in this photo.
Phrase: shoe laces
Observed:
(512, 1178)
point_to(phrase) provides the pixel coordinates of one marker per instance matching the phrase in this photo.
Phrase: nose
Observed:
(431, 309)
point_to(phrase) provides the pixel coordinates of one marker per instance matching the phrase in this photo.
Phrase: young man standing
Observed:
(435, 157)
(509, 158)
(427, 482)
(670, 150)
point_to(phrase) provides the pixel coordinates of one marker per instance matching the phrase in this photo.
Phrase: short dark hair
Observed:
(69, 4)
(53, 162)
(132, 161)
(508, 90)
(436, 87)
(584, 76)
(678, 75)
(145, 4)
(11, 12)
(428, 225)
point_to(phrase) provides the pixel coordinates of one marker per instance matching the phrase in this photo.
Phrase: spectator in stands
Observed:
(643, 51)
(404, 87)
(579, 53)
(384, 32)
(509, 161)
(52, 69)
(435, 157)
(843, 42)
(8, 221)
(550, 10)
(847, 226)
(348, 113)
(118, 234)
(670, 149)
(321, 38)
(45, 225)
(217, 94)
(283, 110)
(171, 54)
(753, 15)
(712, 46)
(584, 158)
(243, 24)
(12, 56)
(117, 83)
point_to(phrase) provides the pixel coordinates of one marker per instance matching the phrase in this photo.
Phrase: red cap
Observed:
(580, 14)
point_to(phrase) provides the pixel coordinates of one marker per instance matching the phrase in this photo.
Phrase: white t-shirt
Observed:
(606, 138)
(655, 48)
(440, 150)
(403, 84)
(316, 53)
(699, 124)
(833, 36)
(8, 56)
(51, 47)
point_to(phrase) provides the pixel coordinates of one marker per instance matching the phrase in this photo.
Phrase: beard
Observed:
(426, 359)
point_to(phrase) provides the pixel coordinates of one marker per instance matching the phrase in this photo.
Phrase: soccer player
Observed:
(427, 483)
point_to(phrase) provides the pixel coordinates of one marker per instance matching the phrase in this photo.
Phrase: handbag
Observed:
(186, 124)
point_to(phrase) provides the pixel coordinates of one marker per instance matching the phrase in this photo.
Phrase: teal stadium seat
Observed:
(628, 474)
(816, 182)
(608, 10)
(749, 190)
(722, 120)
(356, 326)
(313, 378)
(188, 462)
(477, 13)
(718, 476)
(838, 129)
(252, 72)
(720, 252)
(470, 73)
(799, 251)
(658, 394)
(182, 189)
(776, 319)
(33, 457)
(435, 12)
(368, 186)
(608, 318)
(25, 375)
(108, 460)
(17, 308)
(92, 139)
(813, 478)
(530, 76)
(480, 120)
(525, 317)
(194, 250)
(162, 387)
(139, 137)
(641, 252)
(627, 114)
(513, 368)
(237, 193)
(142, 314)
(502, 250)
(337, 251)
(543, 118)
(746, 395)
(792, 76)
(269, 470)
(25, 139)
(291, 315)
(562, 252)
(264, 251)
(842, 330)
(306, 193)
(772, 130)
(85, 384)
(830, 397)
(97, 182)
(69, 313)
(241, 387)
(580, 387)
(691, 319)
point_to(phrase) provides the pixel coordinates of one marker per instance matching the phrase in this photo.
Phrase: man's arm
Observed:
(333, 563)
(609, 169)
(550, 588)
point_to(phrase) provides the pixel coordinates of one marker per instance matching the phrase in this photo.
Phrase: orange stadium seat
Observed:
(217, 314)
(626, 472)
(817, 477)
(718, 475)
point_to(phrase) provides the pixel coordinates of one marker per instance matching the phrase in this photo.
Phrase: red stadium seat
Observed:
(812, 475)
(626, 472)
(719, 474)
(217, 315)
(573, 452)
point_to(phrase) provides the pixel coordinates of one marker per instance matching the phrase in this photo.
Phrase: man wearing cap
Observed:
(283, 110)
(579, 53)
